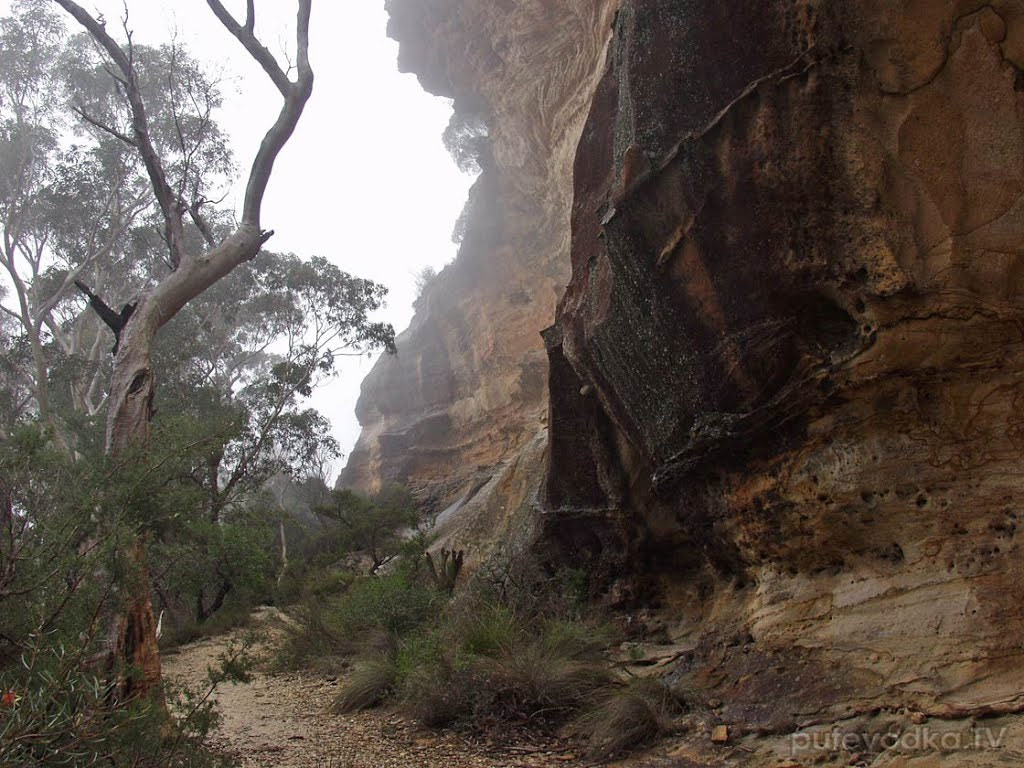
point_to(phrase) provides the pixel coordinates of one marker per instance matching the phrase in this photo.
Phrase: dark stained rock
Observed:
(789, 357)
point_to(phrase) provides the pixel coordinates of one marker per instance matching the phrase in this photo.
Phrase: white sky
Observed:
(365, 181)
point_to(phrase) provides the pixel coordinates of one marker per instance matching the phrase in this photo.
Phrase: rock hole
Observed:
(826, 325)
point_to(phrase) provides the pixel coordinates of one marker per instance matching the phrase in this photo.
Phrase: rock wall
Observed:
(783, 386)
(467, 389)
(787, 375)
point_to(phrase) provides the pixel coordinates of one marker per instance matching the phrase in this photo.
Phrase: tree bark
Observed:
(202, 612)
(136, 642)
(284, 550)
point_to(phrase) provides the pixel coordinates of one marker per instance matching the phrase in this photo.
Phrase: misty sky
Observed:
(364, 182)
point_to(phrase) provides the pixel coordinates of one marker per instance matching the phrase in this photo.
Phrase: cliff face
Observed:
(787, 373)
(467, 389)
(783, 385)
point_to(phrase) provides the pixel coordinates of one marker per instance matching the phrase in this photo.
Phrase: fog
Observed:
(365, 180)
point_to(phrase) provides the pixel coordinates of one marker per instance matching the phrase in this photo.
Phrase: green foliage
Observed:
(51, 545)
(477, 661)
(60, 716)
(64, 526)
(59, 712)
(374, 612)
(234, 434)
(373, 526)
(390, 604)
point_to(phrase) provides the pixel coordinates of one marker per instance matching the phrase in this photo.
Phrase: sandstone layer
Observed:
(787, 377)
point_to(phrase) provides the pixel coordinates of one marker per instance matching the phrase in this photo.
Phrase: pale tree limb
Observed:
(295, 96)
(133, 385)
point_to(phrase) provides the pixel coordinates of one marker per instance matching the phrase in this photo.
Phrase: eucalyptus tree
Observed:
(237, 367)
(190, 272)
(66, 200)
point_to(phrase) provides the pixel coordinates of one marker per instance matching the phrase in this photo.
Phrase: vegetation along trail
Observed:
(282, 718)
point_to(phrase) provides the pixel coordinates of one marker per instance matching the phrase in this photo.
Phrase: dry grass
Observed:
(370, 683)
(538, 679)
(628, 716)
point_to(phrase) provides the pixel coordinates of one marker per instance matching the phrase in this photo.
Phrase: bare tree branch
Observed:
(195, 211)
(255, 48)
(103, 126)
(295, 97)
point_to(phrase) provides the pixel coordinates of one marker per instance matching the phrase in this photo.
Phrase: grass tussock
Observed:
(628, 716)
(369, 684)
(482, 660)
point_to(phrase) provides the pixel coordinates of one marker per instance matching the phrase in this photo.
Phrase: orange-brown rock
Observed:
(784, 384)
(788, 373)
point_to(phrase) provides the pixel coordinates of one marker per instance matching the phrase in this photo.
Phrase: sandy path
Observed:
(280, 720)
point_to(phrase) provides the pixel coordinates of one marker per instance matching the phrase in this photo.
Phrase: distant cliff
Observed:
(468, 387)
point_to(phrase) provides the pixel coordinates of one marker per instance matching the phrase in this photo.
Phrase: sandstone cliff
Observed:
(467, 388)
(787, 373)
(785, 376)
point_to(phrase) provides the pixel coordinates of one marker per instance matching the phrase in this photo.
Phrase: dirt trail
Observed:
(280, 720)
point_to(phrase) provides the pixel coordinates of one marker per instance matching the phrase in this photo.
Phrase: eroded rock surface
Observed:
(788, 373)
(784, 385)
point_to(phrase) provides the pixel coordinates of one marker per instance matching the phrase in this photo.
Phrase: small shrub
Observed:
(483, 662)
(390, 604)
(56, 712)
(628, 716)
(371, 615)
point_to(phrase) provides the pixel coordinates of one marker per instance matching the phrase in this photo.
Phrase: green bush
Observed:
(57, 712)
(373, 613)
(391, 604)
(479, 661)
